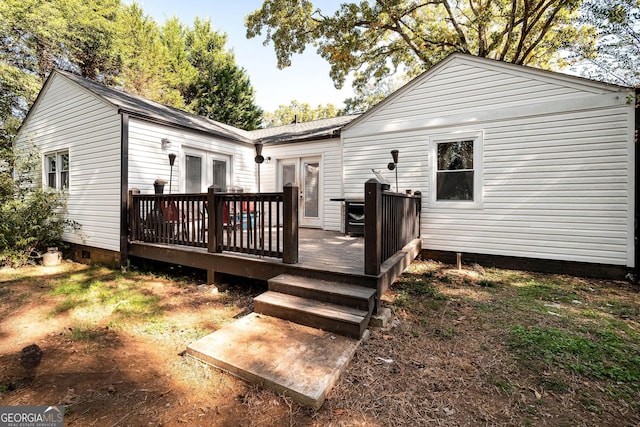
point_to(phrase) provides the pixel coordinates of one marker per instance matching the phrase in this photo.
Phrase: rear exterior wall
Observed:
(66, 118)
(556, 171)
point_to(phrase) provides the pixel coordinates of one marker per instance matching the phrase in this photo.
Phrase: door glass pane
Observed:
(220, 174)
(193, 166)
(311, 187)
(288, 174)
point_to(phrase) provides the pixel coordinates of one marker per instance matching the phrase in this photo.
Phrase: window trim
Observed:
(478, 146)
(58, 172)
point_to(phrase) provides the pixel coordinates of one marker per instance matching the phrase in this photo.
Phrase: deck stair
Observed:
(335, 307)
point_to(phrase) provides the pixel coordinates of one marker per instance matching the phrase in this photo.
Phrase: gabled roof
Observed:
(574, 81)
(297, 132)
(141, 107)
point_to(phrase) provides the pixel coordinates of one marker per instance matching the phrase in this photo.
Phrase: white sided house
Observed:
(533, 168)
(97, 143)
(517, 166)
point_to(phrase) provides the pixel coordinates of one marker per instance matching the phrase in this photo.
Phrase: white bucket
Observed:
(52, 257)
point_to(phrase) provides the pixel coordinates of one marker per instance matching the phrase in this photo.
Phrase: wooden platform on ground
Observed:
(301, 362)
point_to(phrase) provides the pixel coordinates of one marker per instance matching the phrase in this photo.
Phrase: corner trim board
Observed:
(124, 186)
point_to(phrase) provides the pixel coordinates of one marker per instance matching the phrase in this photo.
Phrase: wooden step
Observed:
(317, 314)
(346, 294)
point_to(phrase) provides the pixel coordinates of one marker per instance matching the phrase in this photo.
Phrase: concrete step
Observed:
(301, 362)
(317, 314)
(346, 294)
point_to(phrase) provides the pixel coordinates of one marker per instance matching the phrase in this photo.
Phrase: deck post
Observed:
(418, 195)
(372, 227)
(215, 211)
(214, 233)
(290, 225)
(134, 215)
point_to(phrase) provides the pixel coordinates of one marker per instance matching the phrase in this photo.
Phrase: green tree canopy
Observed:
(374, 39)
(300, 112)
(220, 89)
(615, 56)
(118, 45)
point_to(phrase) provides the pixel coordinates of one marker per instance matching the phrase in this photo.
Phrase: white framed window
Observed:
(56, 168)
(203, 169)
(456, 172)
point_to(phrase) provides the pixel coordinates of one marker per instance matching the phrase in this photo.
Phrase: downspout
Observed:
(124, 189)
(636, 242)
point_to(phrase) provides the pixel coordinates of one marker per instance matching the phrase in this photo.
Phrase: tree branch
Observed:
(454, 22)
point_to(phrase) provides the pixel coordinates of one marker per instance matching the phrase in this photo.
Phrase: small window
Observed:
(456, 172)
(57, 170)
(454, 180)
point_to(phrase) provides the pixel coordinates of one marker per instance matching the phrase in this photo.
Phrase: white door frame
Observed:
(300, 163)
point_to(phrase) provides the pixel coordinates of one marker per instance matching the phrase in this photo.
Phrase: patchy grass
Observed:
(567, 342)
(471, 347)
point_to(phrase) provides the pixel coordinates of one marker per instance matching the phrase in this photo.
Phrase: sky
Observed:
(306, 80)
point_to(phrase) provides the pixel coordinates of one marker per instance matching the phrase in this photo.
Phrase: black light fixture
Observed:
(394, 165)
(172, 160)
(259, 159)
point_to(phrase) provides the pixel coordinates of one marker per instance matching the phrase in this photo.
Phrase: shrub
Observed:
(31, 219)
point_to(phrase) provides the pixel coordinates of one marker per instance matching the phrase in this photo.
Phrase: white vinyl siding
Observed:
(555, 185)
(330, 152)
(148, 160)
(68, 119)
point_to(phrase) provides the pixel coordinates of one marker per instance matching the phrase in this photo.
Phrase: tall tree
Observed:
(144, 59)
(374, 39)
(221, 90)
(92, 34)
(298, 112)
(181, 72)
(615, 56)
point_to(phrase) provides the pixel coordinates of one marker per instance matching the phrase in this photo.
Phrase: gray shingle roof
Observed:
(296, 132)
(143, 107)
(139, 106)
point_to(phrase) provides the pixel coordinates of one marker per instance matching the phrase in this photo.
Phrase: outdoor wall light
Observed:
(259, 159)
(166, 143)
(394, 165)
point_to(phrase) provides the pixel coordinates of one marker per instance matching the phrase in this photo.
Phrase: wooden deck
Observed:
(322, 254)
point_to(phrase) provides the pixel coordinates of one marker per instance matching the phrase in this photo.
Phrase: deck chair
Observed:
(229, 222)
(174, 218)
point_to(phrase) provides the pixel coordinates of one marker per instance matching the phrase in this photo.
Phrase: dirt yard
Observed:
(463, 348)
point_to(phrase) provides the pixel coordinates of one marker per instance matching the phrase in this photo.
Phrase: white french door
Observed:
(305, 173)
(203, 169)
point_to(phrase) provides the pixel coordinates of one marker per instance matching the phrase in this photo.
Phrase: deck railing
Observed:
(263, 224)
(392, 220)
(179, 219)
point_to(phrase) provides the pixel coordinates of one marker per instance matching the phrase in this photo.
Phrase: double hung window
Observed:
(457, 171)
(57, 170)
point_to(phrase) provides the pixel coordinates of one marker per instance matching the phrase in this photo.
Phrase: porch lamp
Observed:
(259, 160)
(172, 160)
(394, 165)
